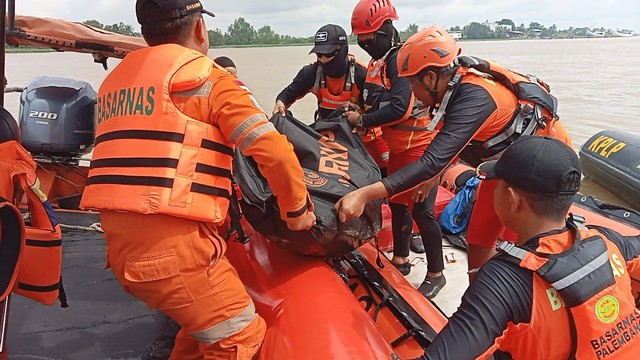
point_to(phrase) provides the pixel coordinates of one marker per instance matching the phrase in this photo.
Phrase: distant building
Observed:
(515, 34)
(456, 34)
(536, 32)
(493, 26)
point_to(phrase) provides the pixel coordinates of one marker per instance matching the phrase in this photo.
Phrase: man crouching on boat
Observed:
(562, 291)
(169, 120)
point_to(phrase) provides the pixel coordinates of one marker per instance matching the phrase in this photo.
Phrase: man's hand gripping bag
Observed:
(335, 162)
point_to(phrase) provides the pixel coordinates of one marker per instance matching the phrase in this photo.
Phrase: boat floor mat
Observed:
(102, 321)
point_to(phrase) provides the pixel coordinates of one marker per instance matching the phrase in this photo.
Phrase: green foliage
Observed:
(120, 28)
(506, 22)
(477, 31)
(266, 35)
(94, 23)
(216, 37)
(411, 29)
(242, 33)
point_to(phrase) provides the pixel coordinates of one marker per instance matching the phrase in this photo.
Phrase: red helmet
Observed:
(8, 127)
(369, 15)
(431, 47)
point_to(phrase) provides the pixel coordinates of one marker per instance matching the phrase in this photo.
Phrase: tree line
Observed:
(242, 33)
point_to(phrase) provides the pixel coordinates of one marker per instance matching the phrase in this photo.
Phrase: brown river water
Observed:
(596, 81)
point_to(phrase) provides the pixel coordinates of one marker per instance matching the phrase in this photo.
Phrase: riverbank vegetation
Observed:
(242, 34)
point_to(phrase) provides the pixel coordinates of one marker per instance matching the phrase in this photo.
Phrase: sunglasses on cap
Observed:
(329, 55)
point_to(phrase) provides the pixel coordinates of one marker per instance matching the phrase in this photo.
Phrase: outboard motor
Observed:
(58, 117)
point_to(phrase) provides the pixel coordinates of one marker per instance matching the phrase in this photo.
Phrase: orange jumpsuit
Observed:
(163, 248)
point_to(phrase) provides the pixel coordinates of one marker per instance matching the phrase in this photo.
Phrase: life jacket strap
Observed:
(511, 249)
(380, 62)
(578, 221)
(351, 75)
(445, 101)
(319, 79)
(321, 82)
(523, 114)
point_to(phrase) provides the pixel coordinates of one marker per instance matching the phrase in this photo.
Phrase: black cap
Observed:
(167, 10)
(536, 164)
(328, 39)
(224, 61)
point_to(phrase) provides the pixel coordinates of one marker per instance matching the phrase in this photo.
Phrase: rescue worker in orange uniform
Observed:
(389, 103)
(39, 274)
(169, 120)
(562, 291)
(336, 79)
(477, 117)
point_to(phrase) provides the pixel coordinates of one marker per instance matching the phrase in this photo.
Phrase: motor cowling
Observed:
(58, 117)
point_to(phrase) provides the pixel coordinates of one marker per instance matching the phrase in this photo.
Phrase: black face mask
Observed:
(376, 46)
(338, 66)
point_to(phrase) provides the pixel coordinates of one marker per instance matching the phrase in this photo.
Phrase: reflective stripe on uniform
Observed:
(247, 124)
(582, 272)
(255, 134)
(199, 91)
(228, 327)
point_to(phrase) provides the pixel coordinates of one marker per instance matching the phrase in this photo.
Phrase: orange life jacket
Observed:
(149, 157)
(328, 102)
(11, 245)
(535, 112)
(404, 133)
(39, 276)
(594, 286)
(350, 92)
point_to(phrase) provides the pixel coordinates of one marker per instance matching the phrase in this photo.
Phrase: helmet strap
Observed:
(434, 92)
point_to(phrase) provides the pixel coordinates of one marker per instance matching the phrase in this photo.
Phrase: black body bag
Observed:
(335, 162)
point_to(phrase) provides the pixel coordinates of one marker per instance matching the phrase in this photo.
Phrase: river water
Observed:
(596, 81)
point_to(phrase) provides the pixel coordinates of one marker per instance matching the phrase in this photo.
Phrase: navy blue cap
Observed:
(167, 10)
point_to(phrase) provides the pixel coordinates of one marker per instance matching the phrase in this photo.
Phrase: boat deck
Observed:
(101, 322)
(449, 298)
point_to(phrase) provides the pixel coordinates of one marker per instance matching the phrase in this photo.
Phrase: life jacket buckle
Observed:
(578, 221)
(541, 120)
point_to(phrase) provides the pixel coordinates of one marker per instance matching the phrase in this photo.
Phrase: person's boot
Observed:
(415, 244)
(404, 269)
(431, 286)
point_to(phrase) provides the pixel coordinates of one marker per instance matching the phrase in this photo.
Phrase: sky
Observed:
(304, 17)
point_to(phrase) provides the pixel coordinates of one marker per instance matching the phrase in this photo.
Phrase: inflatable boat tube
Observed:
(357, 306)
(612, 159)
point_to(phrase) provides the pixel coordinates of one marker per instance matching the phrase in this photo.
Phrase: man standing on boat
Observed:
(562, 291)
(389, 104)
(336, 79)
(478, 116)
(169, 120)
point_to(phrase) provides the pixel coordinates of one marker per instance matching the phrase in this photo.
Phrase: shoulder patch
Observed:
(244, 87)
(241, 85)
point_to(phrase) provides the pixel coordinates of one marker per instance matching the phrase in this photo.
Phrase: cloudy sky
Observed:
(303, 18)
